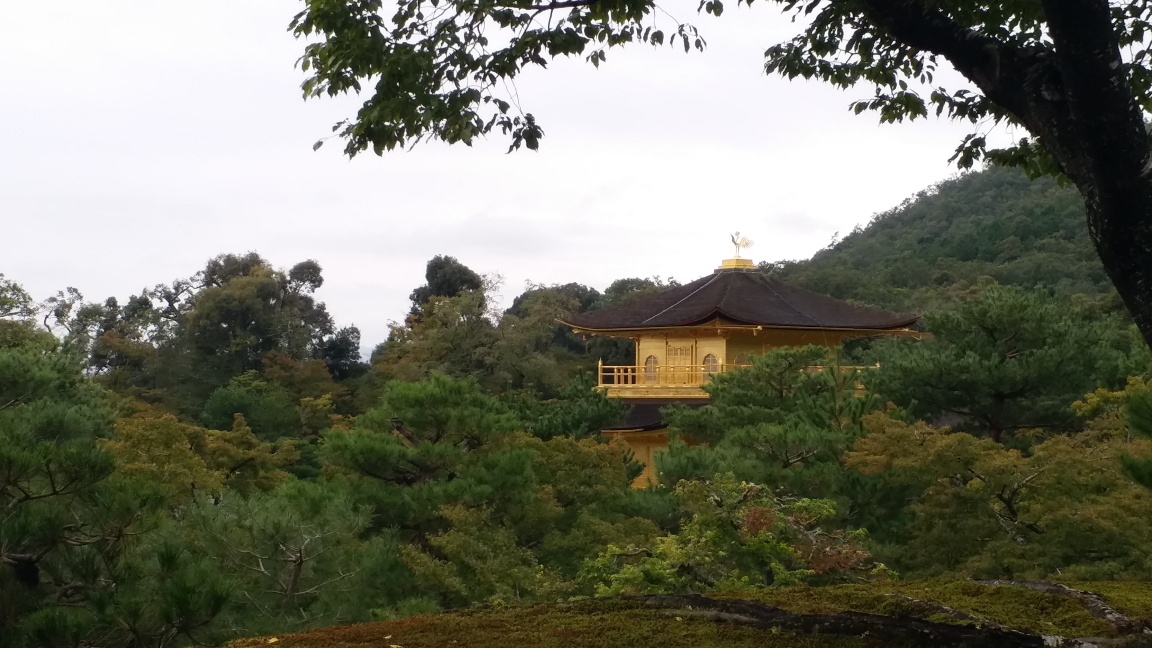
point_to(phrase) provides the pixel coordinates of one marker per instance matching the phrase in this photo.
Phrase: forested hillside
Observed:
(993, 223)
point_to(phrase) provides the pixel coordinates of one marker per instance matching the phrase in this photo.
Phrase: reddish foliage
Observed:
(756, 520)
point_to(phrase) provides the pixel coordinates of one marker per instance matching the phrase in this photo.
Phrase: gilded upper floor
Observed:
(686, 335)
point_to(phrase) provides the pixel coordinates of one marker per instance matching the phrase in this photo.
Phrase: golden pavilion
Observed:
(687, 334)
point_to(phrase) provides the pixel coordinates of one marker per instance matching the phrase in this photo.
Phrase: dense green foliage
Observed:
(172, 346)
(212, 459)
(735, 536)
(76, 570)
(446, 277)
(461, 336)
(1002, 359)
(783, 425)
(775, 423)
(201, 465)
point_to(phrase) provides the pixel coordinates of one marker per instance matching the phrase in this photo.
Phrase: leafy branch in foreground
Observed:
(442, 69)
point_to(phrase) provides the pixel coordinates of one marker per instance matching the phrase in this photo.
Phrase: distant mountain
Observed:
(993, 223)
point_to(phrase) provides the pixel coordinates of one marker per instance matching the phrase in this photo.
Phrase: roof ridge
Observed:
(764, 280)
(682, 300)
(720, 302)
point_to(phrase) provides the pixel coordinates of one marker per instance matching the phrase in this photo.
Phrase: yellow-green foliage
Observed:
(479, 557)
(181, 459)
(988, 511)
(591, 624)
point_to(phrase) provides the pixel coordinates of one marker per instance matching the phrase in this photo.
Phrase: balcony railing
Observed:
(668, 381)
(621, 376)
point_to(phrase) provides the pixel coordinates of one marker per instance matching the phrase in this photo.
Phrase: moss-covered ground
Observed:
(608, 622)
(1017, 608)
(1133, 599)
(592, 624)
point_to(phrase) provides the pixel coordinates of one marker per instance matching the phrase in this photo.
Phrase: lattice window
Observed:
(650, 364)
(711, 364)
(680, 355)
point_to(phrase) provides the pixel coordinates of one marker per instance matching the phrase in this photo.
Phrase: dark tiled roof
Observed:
(743, 297)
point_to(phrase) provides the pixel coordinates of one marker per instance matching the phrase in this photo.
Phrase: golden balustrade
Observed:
(668, 381)
(661, 374)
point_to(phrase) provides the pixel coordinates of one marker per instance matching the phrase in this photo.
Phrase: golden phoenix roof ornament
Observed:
(740, 242)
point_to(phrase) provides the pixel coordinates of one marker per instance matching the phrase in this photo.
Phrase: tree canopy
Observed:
(446, 277)
(1000, 361)
(175, 344)
(211, 459)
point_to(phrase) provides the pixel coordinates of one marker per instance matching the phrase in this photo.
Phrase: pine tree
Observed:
(782, 422)
(999, 361)
(88, 558)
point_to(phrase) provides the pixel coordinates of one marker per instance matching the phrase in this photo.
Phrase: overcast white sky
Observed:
(141, 137)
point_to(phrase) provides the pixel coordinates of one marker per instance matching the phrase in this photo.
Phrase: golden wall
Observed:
(678, 350)
(729, 347)
(743, 345)
(644, 446)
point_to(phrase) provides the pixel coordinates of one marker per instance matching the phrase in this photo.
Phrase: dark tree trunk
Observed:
(1104, 147)
(1073, 96)
(1127, 256)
